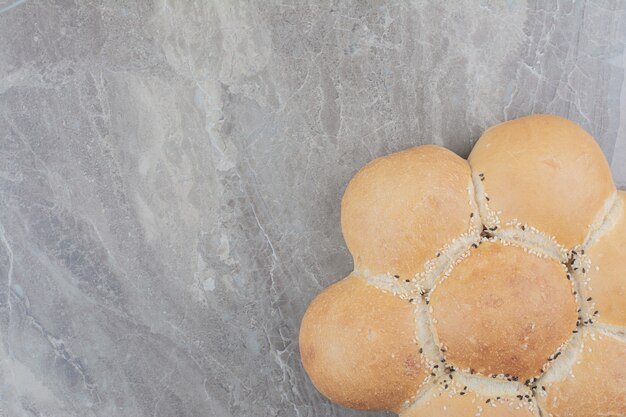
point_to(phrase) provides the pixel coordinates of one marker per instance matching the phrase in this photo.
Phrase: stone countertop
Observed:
(171, 173)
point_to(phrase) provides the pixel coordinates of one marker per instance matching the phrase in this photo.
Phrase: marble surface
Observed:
(171, 173)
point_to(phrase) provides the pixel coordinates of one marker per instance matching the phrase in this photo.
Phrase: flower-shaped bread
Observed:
(494, 286)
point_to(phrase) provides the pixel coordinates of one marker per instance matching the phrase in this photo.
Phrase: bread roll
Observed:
(503, 311)
(494, 288)
(400, 209)
(544, 171)
(358, 345)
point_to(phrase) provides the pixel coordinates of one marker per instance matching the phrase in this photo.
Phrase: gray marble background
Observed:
(171, 173)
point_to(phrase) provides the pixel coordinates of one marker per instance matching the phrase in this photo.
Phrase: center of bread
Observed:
(503, 311)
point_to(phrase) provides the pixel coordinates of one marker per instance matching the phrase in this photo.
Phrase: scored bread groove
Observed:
(534, 240)
(562, 365)
(429, 350)
(489, 218)
(606, 219)
(617, 332)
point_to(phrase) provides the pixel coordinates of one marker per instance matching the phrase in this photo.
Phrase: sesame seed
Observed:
(421, 350)
(396, 276)
(589, 299)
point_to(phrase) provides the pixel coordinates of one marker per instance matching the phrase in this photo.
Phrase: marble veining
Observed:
(171, 174)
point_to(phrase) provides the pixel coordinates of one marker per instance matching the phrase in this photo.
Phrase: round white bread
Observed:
(494, 288)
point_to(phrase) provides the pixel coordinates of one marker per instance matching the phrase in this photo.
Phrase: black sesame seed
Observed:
(427, 302)
(471, 215)
(396, 276)
(582, 251)
(443, 360)
(523, 227)
(432, 373)
(590, 321)
(488, 399)
(421, 350)
(411, 300)
(407, 280)
(595, 312)
(486, 198)
(575, 331)
(526, 396)
(574, 252)
(482, 178)
(543, 388)
(438, 254)
(497, 398)
(589, 299)
(462, 393)
(436, 366)
(474, 245)
(445, 386)
(583, 270)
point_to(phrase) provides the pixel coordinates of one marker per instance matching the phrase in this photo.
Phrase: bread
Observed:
(494, 286)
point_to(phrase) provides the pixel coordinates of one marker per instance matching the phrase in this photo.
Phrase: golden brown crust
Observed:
(358, 346)
(503, 311)
(442, 404)
(596, 385)
(546, 171)
(608, 272)
(399, 210)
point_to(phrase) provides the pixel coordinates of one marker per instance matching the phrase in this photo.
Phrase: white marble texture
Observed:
(171, 173)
